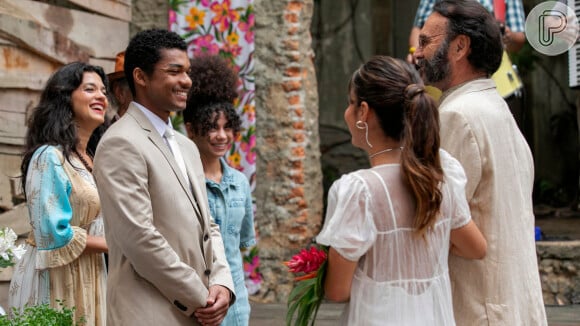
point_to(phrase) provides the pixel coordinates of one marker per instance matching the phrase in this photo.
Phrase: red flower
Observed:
(307, 261)
(308, 293)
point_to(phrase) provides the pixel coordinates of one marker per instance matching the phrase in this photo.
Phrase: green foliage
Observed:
(305, 299)
(42, 315)
(525, 59)
(177, 122)
(6, 262)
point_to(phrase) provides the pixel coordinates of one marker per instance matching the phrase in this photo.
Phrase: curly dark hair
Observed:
(213, 90)
(144, 52)
(52, 120)
(204, 117)
(470, 18)
(212, 79)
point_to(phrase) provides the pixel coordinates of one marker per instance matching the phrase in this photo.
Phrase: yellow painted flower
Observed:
(195, 17)
(248, 108)
(235, 159)
(233, 38)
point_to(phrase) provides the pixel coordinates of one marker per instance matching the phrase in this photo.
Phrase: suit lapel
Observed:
(162, 146)
(191, 173)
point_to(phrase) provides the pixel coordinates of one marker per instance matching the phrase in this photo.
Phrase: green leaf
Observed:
(43, 315)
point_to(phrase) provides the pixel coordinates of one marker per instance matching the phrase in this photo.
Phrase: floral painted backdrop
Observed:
(226, 27)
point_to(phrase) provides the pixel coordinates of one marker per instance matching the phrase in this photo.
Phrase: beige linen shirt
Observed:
(504, 288)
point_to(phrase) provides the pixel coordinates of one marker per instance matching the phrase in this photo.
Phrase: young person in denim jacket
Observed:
(212, 123)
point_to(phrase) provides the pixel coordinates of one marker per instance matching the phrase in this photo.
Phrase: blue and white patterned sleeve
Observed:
(423, 11)
(515, 15)
(47, 191)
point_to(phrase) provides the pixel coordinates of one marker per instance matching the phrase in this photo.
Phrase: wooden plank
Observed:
(16, 219)
(107, 64)
(16, 106)
(120, 9)
(101, 37)
(20, 68)
(12, 127)
(44, 41)
(10, 159)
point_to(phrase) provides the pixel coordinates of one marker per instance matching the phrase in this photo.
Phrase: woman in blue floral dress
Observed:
(64, 258)
(212, 123)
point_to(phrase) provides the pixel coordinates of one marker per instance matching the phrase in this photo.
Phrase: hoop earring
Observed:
(363, 125)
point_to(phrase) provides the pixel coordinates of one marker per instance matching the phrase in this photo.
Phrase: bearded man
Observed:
(459, 48)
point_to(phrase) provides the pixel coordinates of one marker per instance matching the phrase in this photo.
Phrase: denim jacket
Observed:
(230, 204)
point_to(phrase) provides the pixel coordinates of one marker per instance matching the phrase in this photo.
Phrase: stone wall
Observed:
(559, 264)
(149, 14)
(288, 185)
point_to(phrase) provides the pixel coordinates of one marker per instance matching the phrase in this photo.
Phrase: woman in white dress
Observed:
(64, 258)
(391, 227)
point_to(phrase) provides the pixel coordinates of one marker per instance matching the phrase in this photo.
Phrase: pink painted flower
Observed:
(248, 149)
(248, 28)
(205, 45)
(252, 269)
(205, 3)
(172, 17)
(224, 15)
(231, 49)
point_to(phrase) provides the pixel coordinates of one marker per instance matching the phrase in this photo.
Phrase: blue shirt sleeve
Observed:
(247, 233)
(47, 191)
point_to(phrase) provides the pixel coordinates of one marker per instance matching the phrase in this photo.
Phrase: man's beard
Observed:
(436, 69)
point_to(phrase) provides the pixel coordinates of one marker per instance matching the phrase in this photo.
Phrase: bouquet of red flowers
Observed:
(309, 266)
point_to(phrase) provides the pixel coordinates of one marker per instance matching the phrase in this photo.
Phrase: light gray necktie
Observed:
(170, 137)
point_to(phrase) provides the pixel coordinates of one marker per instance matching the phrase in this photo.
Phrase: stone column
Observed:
(289, 179)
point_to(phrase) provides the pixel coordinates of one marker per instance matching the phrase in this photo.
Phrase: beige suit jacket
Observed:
(164, 251)
(504, 288)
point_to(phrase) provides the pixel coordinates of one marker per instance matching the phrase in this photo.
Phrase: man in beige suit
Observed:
(167, 264)
(459, 48)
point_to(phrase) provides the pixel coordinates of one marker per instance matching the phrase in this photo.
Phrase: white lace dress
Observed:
(401, 279)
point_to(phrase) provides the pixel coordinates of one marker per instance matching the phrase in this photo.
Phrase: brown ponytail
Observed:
(420, 158)
(394, 90)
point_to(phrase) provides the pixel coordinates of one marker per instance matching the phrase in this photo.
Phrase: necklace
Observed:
(82, 159)
(385, 150)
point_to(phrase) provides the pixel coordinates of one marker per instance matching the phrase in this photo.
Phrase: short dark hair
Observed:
(470, 18)
(144, 52)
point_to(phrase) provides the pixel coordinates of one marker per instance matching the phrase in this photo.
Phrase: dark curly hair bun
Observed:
(213, 80)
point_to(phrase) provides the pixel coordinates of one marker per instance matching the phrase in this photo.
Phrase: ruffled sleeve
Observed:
(47, 190)
(349, 226)
(456, 181)
(64, 255)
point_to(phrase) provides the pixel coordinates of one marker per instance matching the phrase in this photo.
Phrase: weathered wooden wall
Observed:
(36, 38)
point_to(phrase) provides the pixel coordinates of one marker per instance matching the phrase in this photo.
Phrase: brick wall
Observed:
(289, 186)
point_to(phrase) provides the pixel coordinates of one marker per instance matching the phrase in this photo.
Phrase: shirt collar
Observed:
(155, 120)
(228, 177)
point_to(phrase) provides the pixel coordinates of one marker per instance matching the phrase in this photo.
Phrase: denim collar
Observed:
(228, 176)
